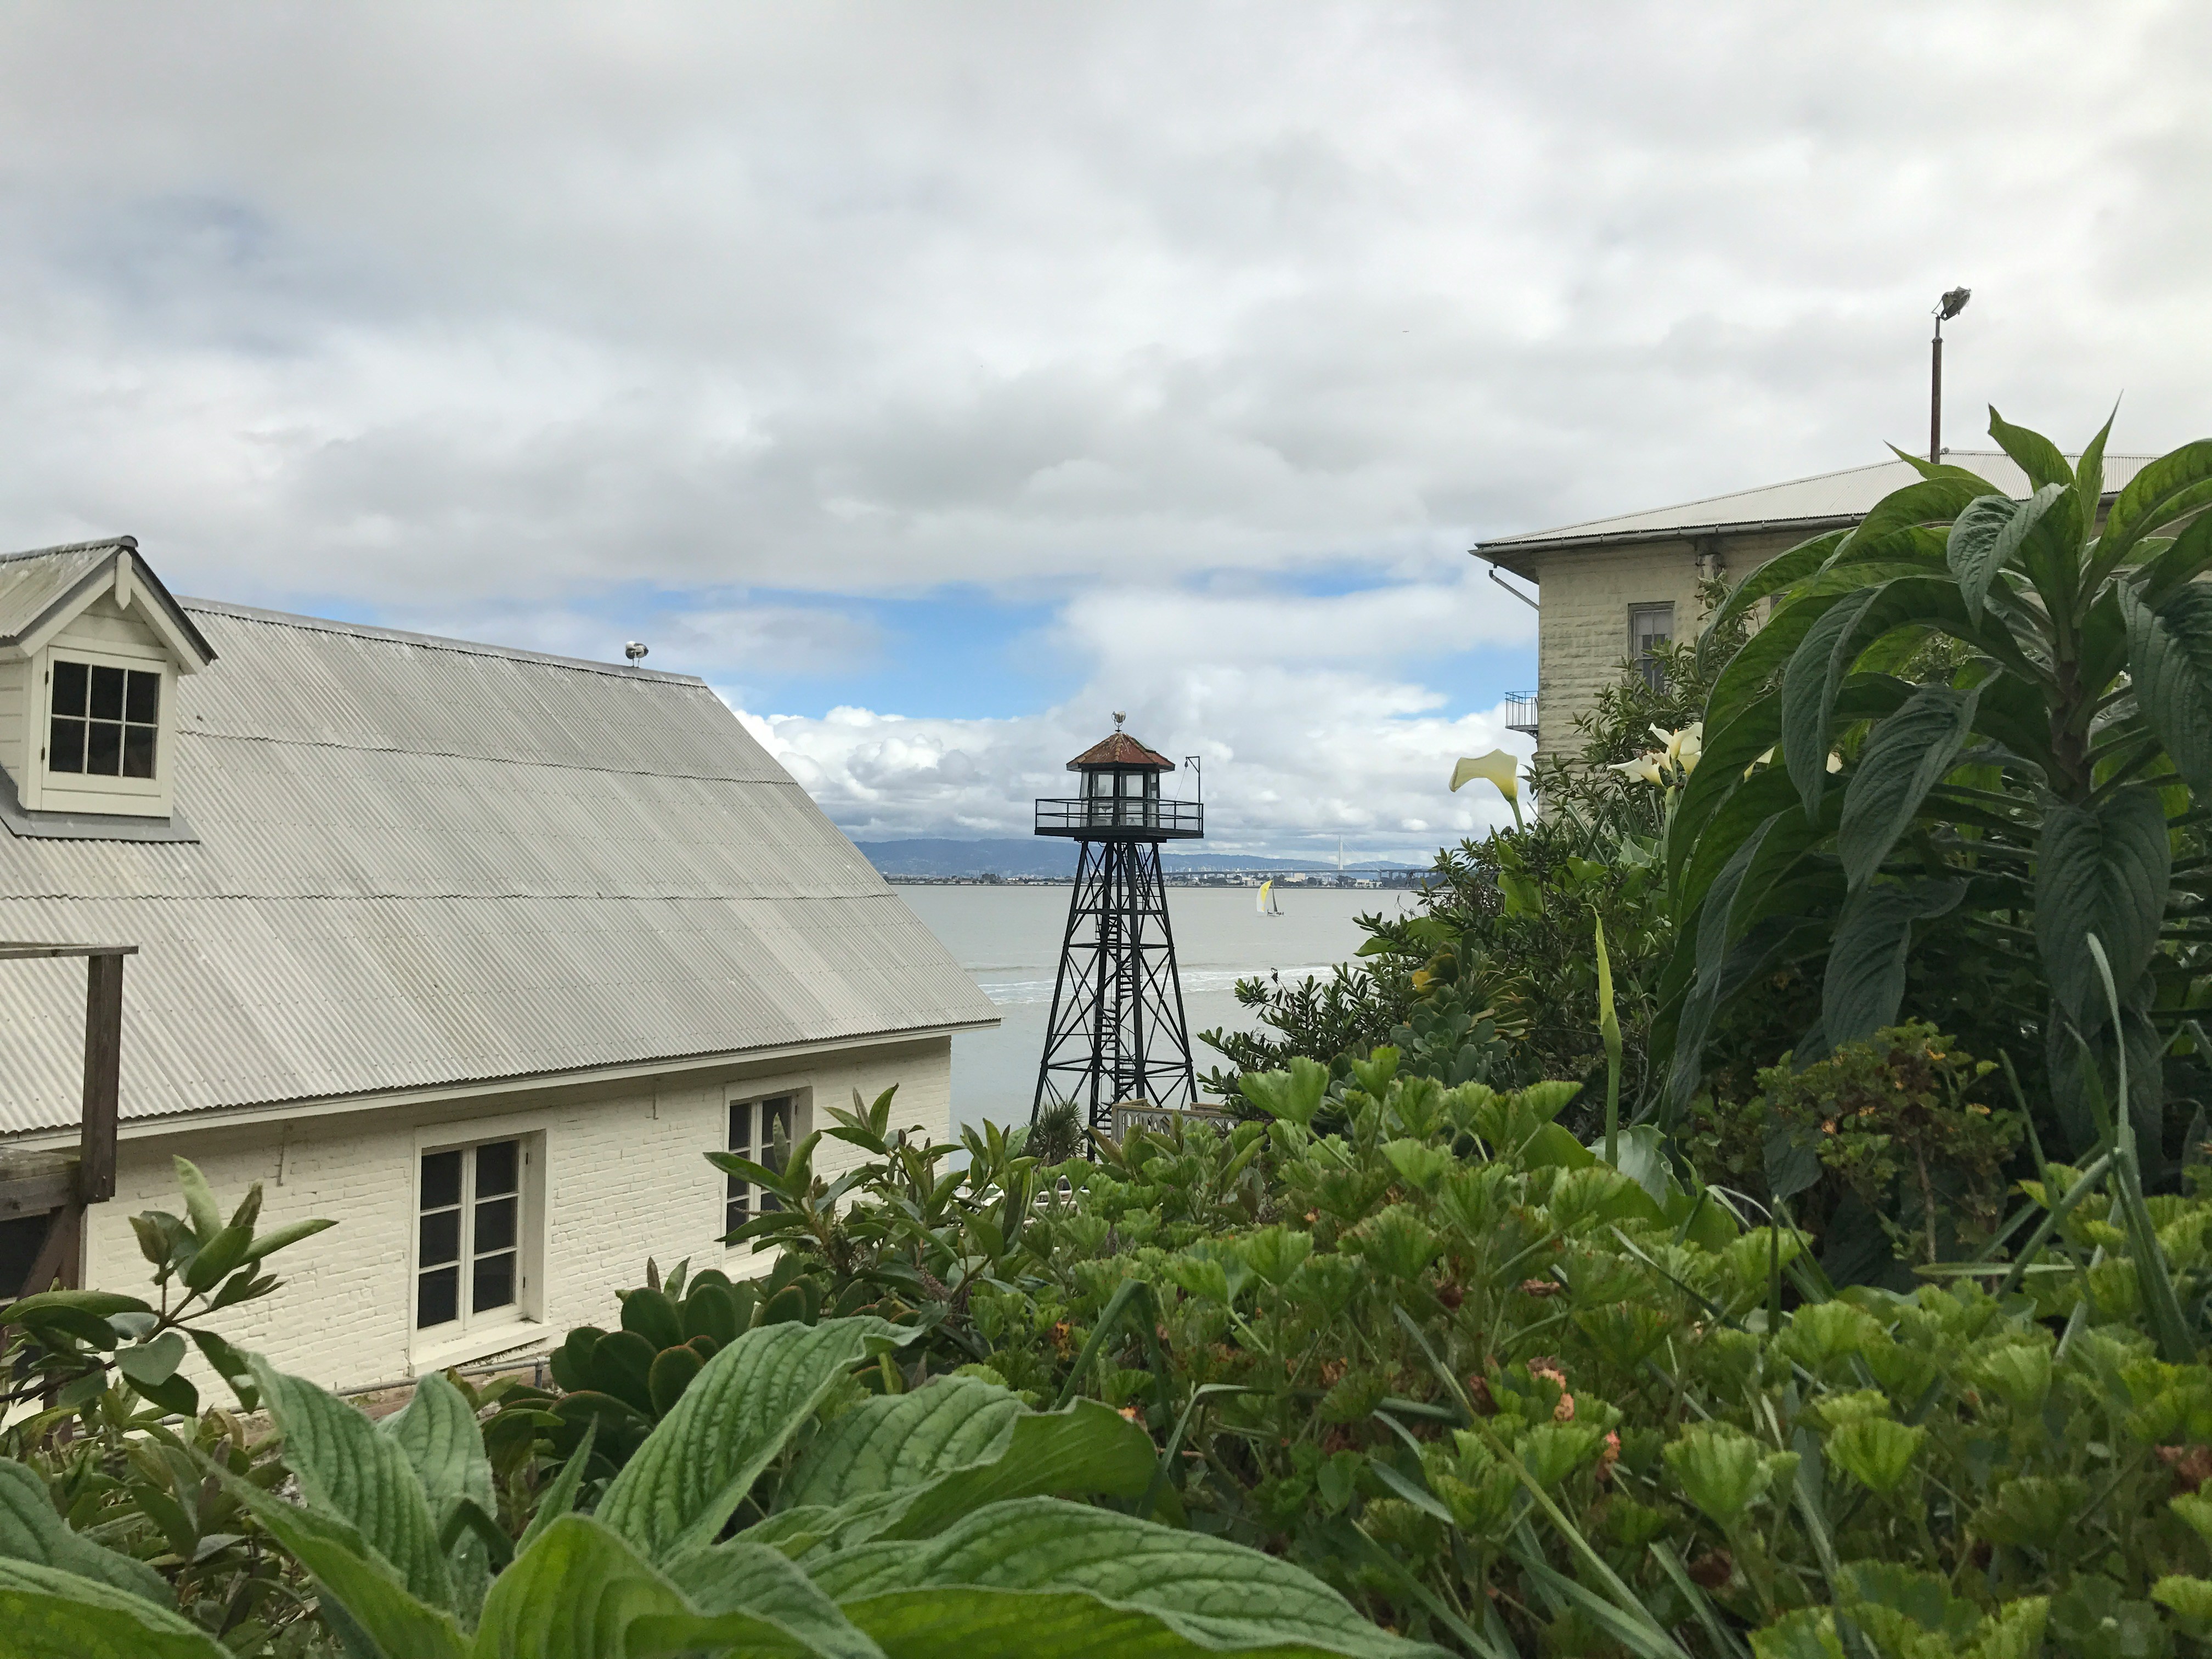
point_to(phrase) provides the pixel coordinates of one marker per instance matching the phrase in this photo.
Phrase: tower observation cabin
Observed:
(1117, 1032)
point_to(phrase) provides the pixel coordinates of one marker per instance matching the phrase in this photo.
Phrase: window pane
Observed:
(65, 747)
(494, 1285)
(69, 688)
(143, 703)
(107, 693)
(442, 1179)
(440, 1239)
(741, 1127)
(496, 1224)
(495, 1168)
(103, 749)
(438, 1297)
(138, 751)
(735, 1214)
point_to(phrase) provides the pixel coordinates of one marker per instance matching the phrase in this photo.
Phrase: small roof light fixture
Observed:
(1953, 302)
(635, 650)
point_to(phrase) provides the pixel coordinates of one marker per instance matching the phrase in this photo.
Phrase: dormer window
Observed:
(107, 720)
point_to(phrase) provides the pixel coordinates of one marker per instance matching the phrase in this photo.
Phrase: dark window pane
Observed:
(438, 1297)
(142, 703)
(770, 1201)
(735, 1215)
(103, 749)
(69, 688)
(138, 751)
(441, 1237)
(65, 747)
(496, 1224)
(107, 693)
(495, 1283)
(442, 1179)
(741, 1127)
(495, 1168)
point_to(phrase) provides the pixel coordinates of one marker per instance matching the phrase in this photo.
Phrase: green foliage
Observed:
(1948, 828)
(1502, 1395)
(1900, 1128)
(907, 1524)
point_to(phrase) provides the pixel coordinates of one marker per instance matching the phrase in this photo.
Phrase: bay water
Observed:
(1009, 937)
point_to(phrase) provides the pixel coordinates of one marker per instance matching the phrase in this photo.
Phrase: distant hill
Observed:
(1049, 858)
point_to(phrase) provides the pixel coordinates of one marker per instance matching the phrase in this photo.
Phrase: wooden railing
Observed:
(55, 1184)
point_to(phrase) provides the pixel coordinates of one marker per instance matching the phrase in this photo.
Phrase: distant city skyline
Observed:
(936, 381)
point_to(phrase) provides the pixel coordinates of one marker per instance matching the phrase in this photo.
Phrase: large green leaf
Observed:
(915, 1464)
(2151, 498)
(1983, 539)
(1777, 574)
(1816, 672)
(1906, 756)
(2170, 660)
(444, 1445)
(348, 1470)
(349, 1573)
(579, 1593)
(47, 1613)
(2188, 557)
(697, 1465)
(2102, 867)
(1931, 500)
(1863, 985)
(2034, 454)
(31, 1529)
(2089, 475)
(1041, 1576)
(765, 1585)
(1739, 897)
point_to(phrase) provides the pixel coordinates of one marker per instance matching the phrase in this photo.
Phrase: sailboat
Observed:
(1268, 905)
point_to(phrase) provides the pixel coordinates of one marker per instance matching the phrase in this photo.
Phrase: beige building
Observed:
(475, 951)
(1611, 588)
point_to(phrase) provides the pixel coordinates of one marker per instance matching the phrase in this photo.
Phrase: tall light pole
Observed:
(1950, 306)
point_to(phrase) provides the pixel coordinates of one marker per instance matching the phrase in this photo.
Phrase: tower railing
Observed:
(1100, 815)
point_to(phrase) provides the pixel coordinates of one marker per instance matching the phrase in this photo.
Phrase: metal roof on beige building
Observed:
(422, 862)
(1825, 501)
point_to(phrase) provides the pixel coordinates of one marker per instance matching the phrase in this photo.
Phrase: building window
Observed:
(105, 720)
(468, 1254)
(1650, 629)
(761, 1132)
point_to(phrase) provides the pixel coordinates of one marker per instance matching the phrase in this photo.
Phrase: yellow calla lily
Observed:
(1500, 768)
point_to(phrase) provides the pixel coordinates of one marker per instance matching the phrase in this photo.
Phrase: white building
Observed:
(1614, 588)
(475, 951)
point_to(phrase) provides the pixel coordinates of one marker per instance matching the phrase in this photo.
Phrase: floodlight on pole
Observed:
(1953, 302)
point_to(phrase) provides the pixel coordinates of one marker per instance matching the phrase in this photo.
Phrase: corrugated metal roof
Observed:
(1118, 748)
(32, 584)
(424, 862)
(1826, 498)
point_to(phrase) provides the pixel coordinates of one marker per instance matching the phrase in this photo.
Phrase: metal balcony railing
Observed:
(1103, 816)
(1521, 712)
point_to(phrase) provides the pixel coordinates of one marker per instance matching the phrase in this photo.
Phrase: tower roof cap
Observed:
(1122, 751)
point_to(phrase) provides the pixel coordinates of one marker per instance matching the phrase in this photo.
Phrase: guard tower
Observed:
(1117, 1031)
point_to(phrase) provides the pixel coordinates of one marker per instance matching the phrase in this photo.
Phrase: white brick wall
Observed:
(624, 1178)
(1581, 628)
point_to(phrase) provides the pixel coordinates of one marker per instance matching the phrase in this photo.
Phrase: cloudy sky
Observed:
(936, 379)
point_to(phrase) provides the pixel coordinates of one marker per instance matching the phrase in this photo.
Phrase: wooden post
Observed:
(103, 1056)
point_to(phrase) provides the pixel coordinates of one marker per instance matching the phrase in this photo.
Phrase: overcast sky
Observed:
(936, 380)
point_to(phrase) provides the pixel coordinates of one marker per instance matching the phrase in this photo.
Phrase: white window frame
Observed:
(751, 1097)
(431, 1347)
(1638, 653)
(89, 792)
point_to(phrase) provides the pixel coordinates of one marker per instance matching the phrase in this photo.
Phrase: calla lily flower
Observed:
(1500, 768)
(1645, 769)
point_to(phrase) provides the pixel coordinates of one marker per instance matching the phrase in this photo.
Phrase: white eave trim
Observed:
(223, 1117)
